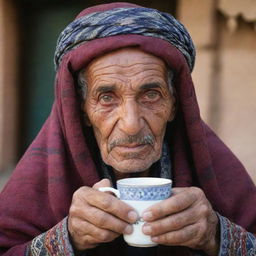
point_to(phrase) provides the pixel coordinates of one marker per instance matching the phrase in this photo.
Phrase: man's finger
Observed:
(176, 203)
(109, 203)
(100, 235)
(102, 183)
(172, 222)
(106, 221)
(179, 237)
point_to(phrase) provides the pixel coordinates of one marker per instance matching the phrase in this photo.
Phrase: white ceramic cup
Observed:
(140, 193)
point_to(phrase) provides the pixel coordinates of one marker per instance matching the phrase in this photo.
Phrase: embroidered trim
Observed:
(235, 240)
(54, 242)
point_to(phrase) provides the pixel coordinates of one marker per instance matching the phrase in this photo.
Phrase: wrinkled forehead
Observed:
(126, 66)
(125, 59)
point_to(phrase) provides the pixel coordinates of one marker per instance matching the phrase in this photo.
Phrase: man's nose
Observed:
(131, 118)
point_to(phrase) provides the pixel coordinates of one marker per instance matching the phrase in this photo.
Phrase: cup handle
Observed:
(109, 189)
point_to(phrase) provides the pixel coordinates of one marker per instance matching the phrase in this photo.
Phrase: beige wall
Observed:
(238, 89)
(1, 74)
(8, 85)
(225, 75)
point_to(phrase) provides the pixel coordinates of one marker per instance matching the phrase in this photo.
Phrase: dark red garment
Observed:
(58, 161)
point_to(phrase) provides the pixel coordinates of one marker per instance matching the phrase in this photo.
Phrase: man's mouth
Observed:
(132, 149)
(132, 145)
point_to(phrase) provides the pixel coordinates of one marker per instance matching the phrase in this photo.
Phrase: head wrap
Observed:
(123, 21)
(59, 160)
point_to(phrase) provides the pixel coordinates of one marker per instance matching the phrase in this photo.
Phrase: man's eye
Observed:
(152, 95)
(106, 98)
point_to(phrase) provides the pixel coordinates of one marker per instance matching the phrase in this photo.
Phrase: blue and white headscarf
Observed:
(122, 21)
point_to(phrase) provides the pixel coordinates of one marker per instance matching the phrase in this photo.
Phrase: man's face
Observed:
(128, 104)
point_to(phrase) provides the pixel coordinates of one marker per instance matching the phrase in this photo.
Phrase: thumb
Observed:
(102, 183)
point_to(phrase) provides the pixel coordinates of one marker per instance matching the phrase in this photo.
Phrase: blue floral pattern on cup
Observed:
(144, 193)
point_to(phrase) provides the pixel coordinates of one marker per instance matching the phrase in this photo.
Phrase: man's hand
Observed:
(184, 219)
(96, 217)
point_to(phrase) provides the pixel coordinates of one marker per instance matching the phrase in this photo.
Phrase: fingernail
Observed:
(128, 230)
(133, 216)
(147, 216)
(147, 229)
(155, 239)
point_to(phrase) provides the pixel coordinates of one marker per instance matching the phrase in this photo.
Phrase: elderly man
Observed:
(125, 107)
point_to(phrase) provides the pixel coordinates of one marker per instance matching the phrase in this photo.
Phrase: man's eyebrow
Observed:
(150, 86)
(105, 88)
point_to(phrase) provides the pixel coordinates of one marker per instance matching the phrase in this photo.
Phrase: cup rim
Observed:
(164, 182)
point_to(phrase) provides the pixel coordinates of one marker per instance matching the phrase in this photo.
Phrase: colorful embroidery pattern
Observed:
(54, 242)
(235, 240)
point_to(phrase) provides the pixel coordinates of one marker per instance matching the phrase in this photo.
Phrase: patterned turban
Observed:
(121, 21)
